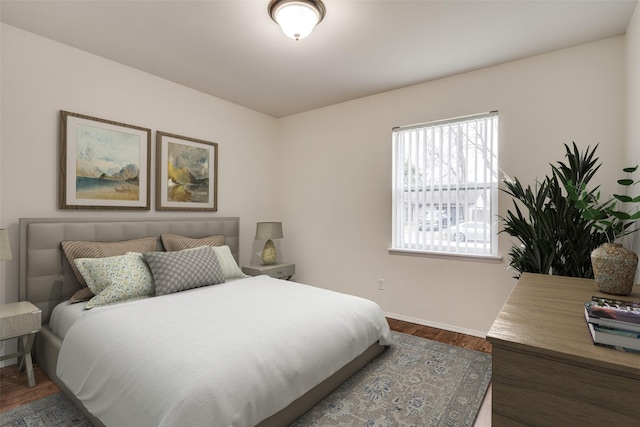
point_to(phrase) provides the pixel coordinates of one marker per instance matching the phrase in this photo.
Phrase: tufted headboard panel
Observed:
(45, 278)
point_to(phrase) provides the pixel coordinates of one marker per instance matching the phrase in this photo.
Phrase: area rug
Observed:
(417, 382)
(51, 411)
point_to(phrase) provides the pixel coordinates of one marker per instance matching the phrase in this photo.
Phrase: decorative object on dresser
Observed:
(613, 312)
(21, 319)
(561, 208)
(267, 231)
(614, 323)
(103, 164)
(186, 173)
(550, 217)
(614, 267)
(546, 370)
(279, 271)
(620, 339)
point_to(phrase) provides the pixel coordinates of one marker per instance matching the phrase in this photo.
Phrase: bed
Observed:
(246, 351)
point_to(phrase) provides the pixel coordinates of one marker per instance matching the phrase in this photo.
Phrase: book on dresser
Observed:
(614, 322)
(612, 317)
(614, 337)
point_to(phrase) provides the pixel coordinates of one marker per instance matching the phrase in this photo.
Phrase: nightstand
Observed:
(21, 319)
(279, 270)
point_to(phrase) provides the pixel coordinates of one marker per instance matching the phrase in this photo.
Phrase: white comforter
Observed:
(225, 355)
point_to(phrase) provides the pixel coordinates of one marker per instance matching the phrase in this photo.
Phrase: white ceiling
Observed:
(233, 50)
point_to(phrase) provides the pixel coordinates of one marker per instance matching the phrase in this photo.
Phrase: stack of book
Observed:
(613, 322)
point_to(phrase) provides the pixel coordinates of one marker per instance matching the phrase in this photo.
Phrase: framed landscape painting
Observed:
(103, 164)
(186, 173)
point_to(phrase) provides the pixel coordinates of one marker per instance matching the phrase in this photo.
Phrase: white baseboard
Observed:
(479, 334)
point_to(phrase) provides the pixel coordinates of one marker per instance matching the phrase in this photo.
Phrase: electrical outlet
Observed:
(381, 284)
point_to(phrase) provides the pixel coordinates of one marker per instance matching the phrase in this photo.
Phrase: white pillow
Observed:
(228, 264)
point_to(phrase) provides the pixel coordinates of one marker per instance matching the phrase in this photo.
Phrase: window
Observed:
(445, 186)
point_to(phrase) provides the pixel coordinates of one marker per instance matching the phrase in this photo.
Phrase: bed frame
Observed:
(46, 279)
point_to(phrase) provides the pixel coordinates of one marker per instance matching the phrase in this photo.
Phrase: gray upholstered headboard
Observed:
(42, 262)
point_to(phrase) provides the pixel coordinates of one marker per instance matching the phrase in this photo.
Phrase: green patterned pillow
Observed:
(116, 279)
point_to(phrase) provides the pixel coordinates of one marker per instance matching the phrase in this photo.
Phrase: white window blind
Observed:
(445, 186)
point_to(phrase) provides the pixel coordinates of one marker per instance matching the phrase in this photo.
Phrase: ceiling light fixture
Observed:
(297, 18)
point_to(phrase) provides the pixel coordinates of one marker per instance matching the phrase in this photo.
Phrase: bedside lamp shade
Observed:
(267, 231)
(5, 249)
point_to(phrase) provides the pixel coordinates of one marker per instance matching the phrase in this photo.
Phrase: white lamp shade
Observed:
(5, 248)
(269, 230)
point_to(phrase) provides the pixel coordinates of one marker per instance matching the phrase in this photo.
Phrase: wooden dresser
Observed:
(546, 369)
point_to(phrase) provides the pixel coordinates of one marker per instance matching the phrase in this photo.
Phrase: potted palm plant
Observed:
(552, 236)
(560, 223)
(614, 267)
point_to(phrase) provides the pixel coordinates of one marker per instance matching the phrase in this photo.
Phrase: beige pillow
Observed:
(175, 242)
(83, 249)
(83, 294)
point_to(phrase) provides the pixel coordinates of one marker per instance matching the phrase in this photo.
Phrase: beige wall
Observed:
(41, 77)
(335, 176)
(632, 69)
(326, 173)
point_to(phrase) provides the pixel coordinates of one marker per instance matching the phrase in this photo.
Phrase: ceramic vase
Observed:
(269, 254)
(614, 268)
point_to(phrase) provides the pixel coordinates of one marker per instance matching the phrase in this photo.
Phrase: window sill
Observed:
(494, 259)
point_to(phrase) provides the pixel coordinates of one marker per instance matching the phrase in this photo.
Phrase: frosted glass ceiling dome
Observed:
(297, 18)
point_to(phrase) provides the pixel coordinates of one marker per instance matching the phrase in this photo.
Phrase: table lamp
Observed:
(267, 231)
(5, 248)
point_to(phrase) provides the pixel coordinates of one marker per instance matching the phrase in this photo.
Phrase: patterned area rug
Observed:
(417, 382)
(51, 411)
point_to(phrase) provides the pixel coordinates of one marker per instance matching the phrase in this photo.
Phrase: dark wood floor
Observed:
(454, 338)
(14, 390)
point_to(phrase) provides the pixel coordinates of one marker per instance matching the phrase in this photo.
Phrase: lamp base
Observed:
(269, 254)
